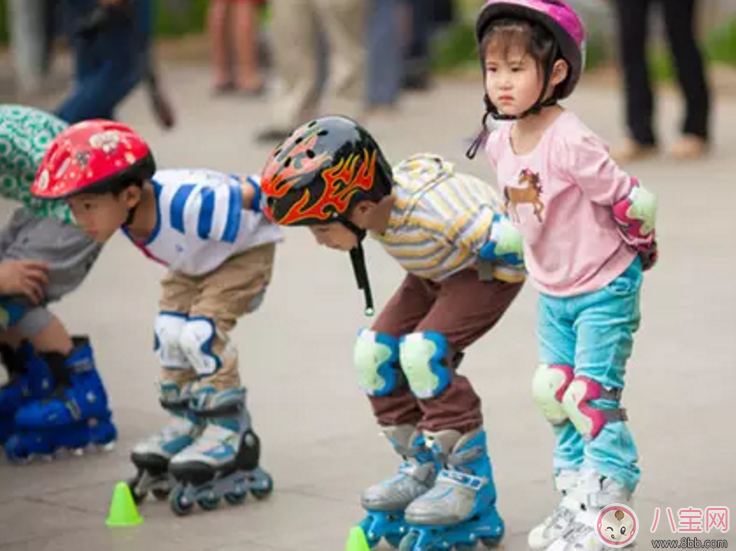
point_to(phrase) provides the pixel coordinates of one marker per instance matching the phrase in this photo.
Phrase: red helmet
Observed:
(93, 156)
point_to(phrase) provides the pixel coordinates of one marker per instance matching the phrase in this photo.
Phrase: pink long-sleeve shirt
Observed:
(560, 197)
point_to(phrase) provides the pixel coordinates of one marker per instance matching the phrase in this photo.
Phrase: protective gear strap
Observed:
(588, 419)
(376, 357)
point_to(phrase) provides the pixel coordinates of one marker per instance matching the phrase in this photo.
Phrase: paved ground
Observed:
(321, 444)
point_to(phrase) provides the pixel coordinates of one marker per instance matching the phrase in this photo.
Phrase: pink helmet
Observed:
(557, 17)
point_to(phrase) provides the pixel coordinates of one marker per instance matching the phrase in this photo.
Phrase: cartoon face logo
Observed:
(617, 525)
(107, 141)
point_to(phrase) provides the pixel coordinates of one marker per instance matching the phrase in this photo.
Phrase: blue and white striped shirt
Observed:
(201, 222)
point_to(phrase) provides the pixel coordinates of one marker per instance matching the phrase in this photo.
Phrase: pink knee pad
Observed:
(590, 420)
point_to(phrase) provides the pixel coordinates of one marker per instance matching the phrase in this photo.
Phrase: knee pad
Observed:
(166, 334)
(428, 361)
(548, 388)
(196, 339)
(376, 357)
(589, 419)
(11, 311)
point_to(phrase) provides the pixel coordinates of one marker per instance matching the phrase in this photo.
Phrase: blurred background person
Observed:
(633, 32)
(295, 33)
(236, 23)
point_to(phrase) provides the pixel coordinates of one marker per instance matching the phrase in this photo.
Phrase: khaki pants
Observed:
(462, 308)
(236, 288)
(295, 28)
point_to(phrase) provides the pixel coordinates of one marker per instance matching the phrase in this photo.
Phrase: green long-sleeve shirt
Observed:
(25, 134)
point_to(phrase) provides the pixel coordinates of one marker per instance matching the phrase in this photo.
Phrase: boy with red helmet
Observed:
(462, 258)
(206, 227)
(588, 232)
(41, 357)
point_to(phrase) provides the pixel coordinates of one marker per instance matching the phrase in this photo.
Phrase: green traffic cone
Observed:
(356, 540)
(123, 511)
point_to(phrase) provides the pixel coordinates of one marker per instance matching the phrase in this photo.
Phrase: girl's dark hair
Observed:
(532, 38)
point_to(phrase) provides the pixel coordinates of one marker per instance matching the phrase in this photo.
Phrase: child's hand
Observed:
(649, 256)
(24, 277)
(251, 194)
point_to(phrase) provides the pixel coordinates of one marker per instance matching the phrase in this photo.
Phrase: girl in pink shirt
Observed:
(588, 229)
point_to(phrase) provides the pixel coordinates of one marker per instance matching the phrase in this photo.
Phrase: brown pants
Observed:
(463, 309)
(235, 288)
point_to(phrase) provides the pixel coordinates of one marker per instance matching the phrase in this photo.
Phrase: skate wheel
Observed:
(110, 446)
(209, 503)
(235, 499)
(408, 541)
(160, 494)
(133, 486)
(76, 452)
(491, 543)
(16, 452)
(261, 493)
(178, 502)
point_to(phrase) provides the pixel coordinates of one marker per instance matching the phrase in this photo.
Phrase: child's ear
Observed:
(559, 72)
(132, 196)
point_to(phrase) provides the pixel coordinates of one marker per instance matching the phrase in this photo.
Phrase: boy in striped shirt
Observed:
(464, 269)
(205, 227)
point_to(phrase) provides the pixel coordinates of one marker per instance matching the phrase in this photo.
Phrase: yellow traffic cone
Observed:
(123, 511)
(356, 540)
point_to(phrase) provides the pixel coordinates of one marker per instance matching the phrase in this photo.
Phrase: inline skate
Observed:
(223, 461)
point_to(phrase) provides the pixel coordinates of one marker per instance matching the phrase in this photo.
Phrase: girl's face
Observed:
(513, 81)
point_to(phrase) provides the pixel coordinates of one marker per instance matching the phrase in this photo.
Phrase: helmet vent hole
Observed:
(323, 132)
(300, 139)
(277, 152)
(310, 154)
(312, 124)
(287, 162)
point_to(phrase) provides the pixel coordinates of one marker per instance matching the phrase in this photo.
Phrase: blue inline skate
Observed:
(74, 416)
(29, 378)
(224, 460)
(385, 502)
(152, 455)
(459, 511)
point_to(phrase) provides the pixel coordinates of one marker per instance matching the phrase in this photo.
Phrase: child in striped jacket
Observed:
(464, 269)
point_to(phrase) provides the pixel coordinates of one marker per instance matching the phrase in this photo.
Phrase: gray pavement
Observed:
(320, 442)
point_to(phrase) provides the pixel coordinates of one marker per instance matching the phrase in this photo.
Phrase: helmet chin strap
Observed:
(131, 216)
(492, 110)
(357, 258)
